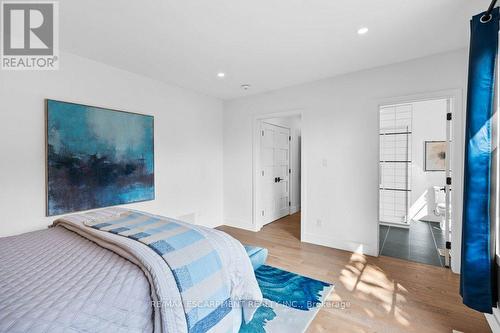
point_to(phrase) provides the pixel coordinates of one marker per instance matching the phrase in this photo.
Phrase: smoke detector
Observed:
(245, 86)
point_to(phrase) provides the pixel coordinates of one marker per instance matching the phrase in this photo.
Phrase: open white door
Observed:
(274, 173)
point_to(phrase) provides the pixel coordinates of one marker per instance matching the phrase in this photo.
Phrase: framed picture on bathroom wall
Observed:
(435, 155)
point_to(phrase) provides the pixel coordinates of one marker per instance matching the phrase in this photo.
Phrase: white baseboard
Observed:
(494, 320)
(240, 225)
(341, 244)
(294, 209)
(318, 240)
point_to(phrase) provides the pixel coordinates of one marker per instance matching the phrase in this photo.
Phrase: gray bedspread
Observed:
(57, 281)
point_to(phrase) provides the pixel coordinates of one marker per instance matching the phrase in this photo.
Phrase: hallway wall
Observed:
(339, 147)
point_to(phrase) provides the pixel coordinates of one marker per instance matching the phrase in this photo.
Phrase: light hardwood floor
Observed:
(383, 294)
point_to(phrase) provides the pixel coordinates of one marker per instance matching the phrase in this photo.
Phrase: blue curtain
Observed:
(477, 285)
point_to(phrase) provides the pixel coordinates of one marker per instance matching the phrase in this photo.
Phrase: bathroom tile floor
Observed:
(419, 243)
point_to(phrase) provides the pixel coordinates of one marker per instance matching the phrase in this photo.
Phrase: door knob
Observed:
(279, 179)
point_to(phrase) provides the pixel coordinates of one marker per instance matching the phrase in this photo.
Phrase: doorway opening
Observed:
(277, 185)
(415, 213)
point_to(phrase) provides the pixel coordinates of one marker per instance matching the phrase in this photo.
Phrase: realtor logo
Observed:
(29, 33)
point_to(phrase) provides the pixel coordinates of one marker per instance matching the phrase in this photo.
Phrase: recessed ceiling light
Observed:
(362, 31)
(221, 75)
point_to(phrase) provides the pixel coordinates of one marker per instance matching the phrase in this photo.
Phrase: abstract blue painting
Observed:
(97, 157)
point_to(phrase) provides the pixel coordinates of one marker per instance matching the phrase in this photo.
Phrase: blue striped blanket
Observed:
(214, 279)
(190, 256)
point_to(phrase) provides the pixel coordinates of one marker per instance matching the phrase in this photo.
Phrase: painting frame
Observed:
(428, 166)
(48, 213)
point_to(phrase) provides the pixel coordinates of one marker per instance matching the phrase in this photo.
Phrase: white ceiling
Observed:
(269, 44)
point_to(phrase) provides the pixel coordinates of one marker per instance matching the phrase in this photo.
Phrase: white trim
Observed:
(337, 243)
(494, 320)
(457, 109)
(257, 119)
(294, 209)
(239, 225)
(284, 127)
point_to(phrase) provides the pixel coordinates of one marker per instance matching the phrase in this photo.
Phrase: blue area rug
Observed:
(291, 301)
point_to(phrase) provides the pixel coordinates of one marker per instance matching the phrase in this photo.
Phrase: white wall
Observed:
(428, 124)
(188, 139)
(294, 123)
(339, 146)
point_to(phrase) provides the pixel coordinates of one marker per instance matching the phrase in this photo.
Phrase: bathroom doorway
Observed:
(415, 181)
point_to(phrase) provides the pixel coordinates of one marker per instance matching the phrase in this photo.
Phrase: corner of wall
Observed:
(240, 225)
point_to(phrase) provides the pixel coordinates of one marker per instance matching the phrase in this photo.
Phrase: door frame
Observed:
(257, 119)
(457, 146)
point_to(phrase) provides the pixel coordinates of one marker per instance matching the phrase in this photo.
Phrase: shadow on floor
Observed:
(419, 243)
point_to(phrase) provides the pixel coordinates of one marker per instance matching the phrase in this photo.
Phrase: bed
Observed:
(118, 270)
